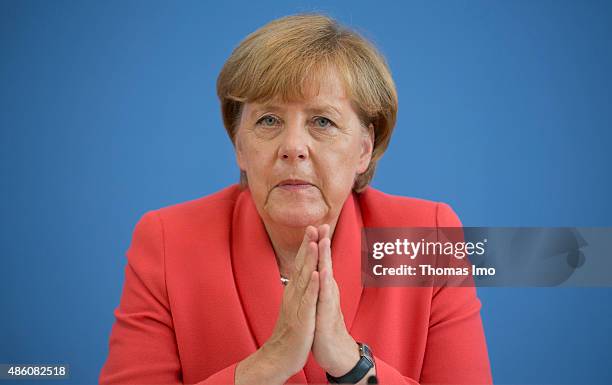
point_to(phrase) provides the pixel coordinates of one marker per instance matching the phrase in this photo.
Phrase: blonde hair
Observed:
(278, 60)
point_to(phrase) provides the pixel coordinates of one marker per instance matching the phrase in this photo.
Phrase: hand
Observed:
(286, 351)
(333, 348)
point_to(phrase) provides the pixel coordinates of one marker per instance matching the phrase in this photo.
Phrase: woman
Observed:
(260, 283)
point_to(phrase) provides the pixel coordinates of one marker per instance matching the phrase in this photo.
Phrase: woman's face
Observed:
(301, 158)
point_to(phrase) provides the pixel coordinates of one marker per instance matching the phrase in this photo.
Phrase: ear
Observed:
(367, 146)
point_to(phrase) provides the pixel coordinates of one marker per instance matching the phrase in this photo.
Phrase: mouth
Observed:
(294, 185)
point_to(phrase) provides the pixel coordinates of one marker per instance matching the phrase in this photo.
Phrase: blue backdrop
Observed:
(108, 109)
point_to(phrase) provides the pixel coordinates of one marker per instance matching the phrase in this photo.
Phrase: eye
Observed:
(268, 121)
(322, 122)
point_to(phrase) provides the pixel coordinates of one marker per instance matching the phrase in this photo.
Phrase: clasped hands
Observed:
(310, 319)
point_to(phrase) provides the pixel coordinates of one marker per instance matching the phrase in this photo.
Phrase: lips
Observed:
(294, 184)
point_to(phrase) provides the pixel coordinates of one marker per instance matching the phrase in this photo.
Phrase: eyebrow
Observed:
(326, 108)
(314, 109)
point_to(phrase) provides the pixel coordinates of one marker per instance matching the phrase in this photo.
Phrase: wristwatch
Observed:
(365, 363)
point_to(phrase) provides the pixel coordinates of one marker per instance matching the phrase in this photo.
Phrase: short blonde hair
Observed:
(278, 59)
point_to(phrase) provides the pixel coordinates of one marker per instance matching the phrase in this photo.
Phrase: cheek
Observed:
(345, 156)
(258, 162)
(256, 156)
(339, 163)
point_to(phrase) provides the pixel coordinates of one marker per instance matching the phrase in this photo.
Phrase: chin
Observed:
(297, 215)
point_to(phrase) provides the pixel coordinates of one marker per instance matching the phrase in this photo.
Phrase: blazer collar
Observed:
(258, 278)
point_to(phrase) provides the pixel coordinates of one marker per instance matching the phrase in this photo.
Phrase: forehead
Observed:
(323, 91)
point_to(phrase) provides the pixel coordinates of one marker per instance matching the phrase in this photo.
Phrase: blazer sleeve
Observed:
(456, 350)
(142, 347)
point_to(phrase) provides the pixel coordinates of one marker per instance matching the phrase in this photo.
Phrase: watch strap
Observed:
(363, 366)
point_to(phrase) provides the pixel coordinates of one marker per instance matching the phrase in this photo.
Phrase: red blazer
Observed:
(202, 292)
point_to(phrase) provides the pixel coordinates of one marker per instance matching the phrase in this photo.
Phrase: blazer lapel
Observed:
(346, 258)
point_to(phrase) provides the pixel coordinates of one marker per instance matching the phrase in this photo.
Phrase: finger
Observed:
(328, 302)
(324, 231)
(324, 288)
(310, 234)
(310, 265)
(308, 306)
(326, 308)
(325, 260)
(307, 309)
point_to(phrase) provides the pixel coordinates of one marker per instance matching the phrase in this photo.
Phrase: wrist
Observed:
(273, 360)
(344, 360)
(259, 368)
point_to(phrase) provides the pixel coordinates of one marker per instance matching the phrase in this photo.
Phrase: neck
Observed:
(286, 242)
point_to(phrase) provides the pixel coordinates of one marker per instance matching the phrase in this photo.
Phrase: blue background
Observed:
(108, 109)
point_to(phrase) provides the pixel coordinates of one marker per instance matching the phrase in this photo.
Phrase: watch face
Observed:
(365, 351)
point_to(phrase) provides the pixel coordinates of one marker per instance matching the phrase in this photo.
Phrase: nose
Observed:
(294, 144)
